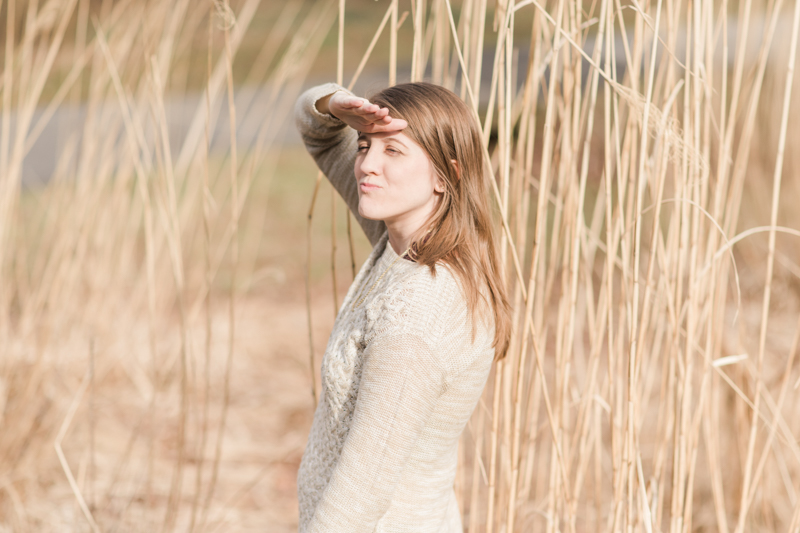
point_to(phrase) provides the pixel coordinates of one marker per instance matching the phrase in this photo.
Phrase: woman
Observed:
(414, 340)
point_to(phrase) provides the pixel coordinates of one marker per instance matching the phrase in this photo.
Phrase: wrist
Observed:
(323, 104)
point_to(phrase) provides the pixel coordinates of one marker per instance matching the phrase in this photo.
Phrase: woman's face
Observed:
(397, 182)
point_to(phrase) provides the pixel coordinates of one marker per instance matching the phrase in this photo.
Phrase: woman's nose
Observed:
(370, 162)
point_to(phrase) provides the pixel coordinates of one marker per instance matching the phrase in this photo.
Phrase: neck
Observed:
(402, 228)
(401, 232)
(399, 240)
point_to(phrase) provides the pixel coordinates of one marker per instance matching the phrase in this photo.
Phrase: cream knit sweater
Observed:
(400, 378)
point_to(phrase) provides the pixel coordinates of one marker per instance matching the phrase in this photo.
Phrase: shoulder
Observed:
(421, 304)
(417, 301)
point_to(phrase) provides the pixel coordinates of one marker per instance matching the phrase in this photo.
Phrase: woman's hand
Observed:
(359, 114)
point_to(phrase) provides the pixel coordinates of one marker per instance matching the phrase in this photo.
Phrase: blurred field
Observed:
(156, 292)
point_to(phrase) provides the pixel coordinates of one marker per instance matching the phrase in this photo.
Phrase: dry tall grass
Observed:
(119, 278)
(650, 237)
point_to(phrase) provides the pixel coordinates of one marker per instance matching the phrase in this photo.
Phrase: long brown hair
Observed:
(460, 232)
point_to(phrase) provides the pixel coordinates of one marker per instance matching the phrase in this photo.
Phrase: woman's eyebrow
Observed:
(362, 136)
(398, 141)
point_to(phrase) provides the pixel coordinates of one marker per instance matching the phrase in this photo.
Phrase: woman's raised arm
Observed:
(323, 114)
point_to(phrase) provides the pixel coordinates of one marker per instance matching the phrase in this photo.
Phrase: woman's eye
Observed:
(392, 151)
(362, 148)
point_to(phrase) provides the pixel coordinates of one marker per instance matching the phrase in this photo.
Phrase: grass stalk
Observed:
(310, 220)
(393, 45)
(201, 449)
(62, 432)
(234, 260)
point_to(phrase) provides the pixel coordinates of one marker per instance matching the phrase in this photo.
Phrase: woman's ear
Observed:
(438, 186)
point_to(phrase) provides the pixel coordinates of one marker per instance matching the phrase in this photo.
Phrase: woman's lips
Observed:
(366, 187)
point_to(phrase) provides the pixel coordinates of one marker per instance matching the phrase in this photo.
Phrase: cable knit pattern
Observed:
(401, 376)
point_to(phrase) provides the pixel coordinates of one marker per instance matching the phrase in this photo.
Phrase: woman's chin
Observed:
(369, 214)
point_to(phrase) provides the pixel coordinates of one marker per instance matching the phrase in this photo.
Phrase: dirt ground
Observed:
(123, 456)
(274, 401)
(270, 410)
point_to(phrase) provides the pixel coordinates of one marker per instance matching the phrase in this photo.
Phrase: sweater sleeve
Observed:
(400, 384)
(333, 144)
